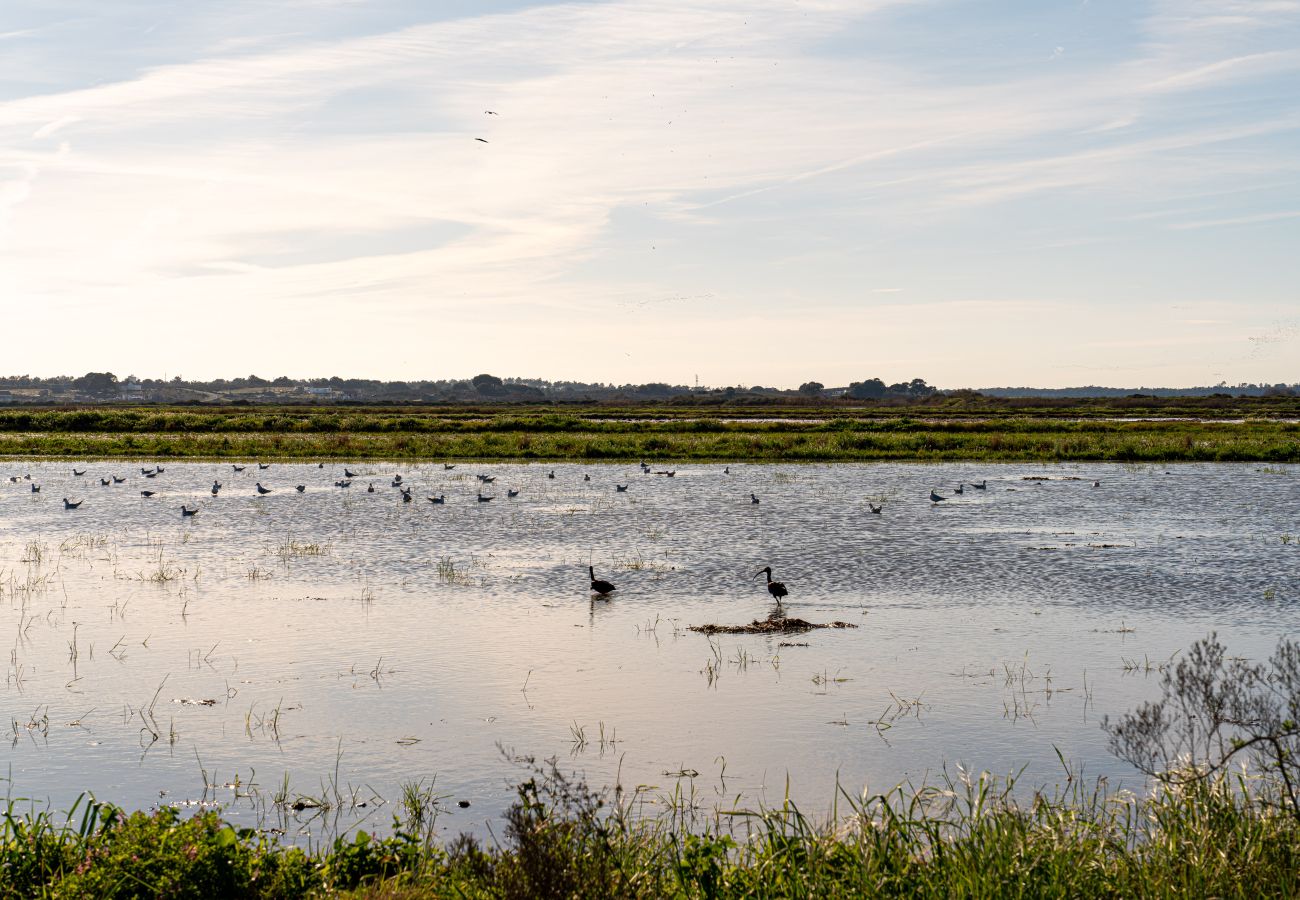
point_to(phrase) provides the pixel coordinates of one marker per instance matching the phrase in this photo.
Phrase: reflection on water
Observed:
(348, 641)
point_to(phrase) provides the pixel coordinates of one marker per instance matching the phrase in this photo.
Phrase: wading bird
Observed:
(510, 493)
(117, 480)
(599, 585)
(216, 487)
(264, 466)
(980, 485)
(186, 511)
(961, 489)
(147, 493)
(447, 467)
(301, 488)
(68, 504)
(105, 482)
(233, 466)
(753, 498)
(875, 509)
(36, 488)
(775, 588)
(75, 472)
(621, 487)
(347, 474)
(441, 498)
(482, 499)
(935, 498)
(550, 474)
(262, 490)
(370, 489)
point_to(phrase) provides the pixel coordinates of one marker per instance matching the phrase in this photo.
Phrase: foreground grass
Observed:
(968, 839)
(605, 434)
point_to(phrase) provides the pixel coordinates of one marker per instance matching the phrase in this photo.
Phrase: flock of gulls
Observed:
(599, 587)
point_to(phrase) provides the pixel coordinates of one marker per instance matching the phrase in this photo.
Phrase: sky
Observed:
(743, 192)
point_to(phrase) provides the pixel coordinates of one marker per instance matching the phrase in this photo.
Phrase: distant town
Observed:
(107, 388)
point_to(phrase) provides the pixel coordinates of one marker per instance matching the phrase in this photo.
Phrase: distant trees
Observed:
(488, 385)
(871, 389)
(812, 388)
(97, 384)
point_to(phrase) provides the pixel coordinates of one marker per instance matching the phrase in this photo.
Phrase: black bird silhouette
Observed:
(491, 112)
(347, 474)
(935, 498)
(216, 486)
(438, 499)
(510, 493)
(370, 489)
(487, 479)
(875, 509)
(621, 487)
(447, 467)
(343, 484)
(599, 585)
(117, 480)
(397, 481)
(753, 498)
(406, 497)
(238, 468)
(961, 489)
(301, 488)
(262, 490)
(105, 482)
(185, 511)
(68, 504)
(151, 475)
(484, 140)
(550, 474)
(482, 499)
(586, 477)
(36, 489)
(75, 472)
(145, 471)
(264, 466)
(980, 485)
(727, 470)
(160, 470)
(775, 588)
(147, 493)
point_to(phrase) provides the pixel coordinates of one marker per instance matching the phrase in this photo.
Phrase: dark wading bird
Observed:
(484, 140)
(621, 487)
(935, 498)
(36, 489)
(875, 509)
(980, 485)
(510, 493)
(147, 493)
(186, 511)
(262, 490)
(599, 585)
(482, 499)
(117, 480)
(586, 477)
(753, 498)
(348, 474)
(75, 472)
(961, 489)
(371, 488)
(441, 498)
(406, 496)
(301, 488)
(550, 474)
(145, 471)
(105, 482)
(216, 486)
(238, 468)
(264, 466)
(775, 588)
(67, 504)
(447, 467)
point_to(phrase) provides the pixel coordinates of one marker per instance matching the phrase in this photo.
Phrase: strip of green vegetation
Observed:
(702, 440)
(969, 839)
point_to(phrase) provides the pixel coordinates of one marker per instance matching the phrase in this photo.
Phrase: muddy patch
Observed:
(773, 624)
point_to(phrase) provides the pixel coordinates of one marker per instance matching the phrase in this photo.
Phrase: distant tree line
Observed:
(107, 387)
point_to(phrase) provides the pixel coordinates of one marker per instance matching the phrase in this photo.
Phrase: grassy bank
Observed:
(613, 434)
(969, 839)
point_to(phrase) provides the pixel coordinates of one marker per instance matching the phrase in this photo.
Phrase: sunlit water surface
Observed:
(335, 644)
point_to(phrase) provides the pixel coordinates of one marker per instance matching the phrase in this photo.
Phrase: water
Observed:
(338, 643)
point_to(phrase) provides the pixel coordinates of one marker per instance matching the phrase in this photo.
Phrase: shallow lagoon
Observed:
(337, 643)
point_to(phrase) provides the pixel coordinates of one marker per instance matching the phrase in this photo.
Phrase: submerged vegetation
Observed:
(1204, 831)
(1193, 429)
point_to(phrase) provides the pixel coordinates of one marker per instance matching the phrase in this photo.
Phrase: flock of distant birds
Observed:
(600, 587)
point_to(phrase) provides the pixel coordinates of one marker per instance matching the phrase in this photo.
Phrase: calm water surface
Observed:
(300, 643)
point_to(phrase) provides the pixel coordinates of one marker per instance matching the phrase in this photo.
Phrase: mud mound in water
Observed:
(773, 624)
